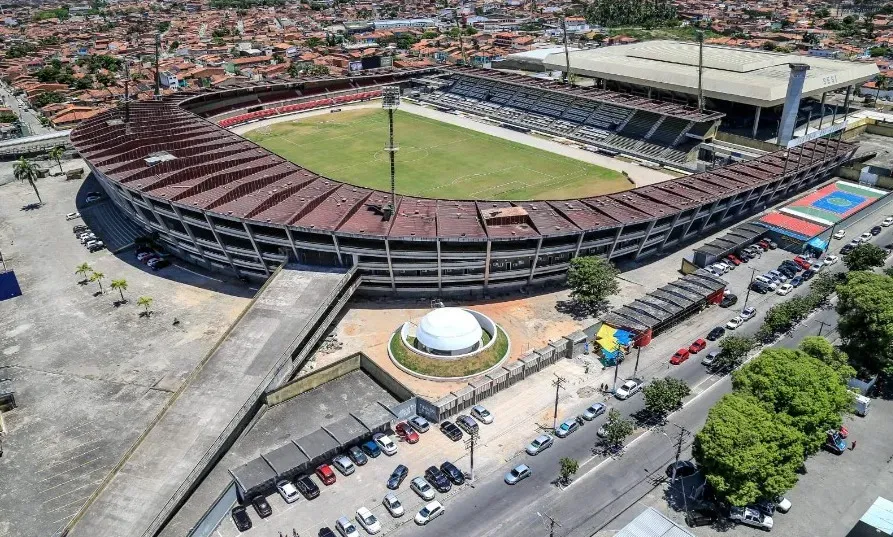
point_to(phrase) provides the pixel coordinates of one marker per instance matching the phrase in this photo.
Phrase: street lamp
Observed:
(390, 100)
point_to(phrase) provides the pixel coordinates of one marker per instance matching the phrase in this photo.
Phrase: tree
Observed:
(806, 393)
(25, 171)
(665, 395)
(746, 452)
(121, 286)
(56, 154)
(146, 302)
(313, 42)
(617, 429)
(83, 269)
(733, 349)
(822, 349)
(568, 467)
(865, 257)
(592, 280)
(97, 277)
(865, 305)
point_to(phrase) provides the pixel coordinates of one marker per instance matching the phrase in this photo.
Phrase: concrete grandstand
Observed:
(216, 199)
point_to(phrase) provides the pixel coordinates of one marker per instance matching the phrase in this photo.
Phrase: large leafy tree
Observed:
(865, 257)
(805, 393)
(822, 349)
(733, 350)
(617, 428)
(865, 305)
(747, 452)
(592, 280)
(665, 395)
(24, 170)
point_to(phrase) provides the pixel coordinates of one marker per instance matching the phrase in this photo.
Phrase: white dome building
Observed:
(449, 332)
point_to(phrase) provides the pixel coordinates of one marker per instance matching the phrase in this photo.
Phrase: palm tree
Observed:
(144, 301)
(97, 277)
(121, 286)
(83, 269)
(56, 154)
(880, 84)
(25, 171)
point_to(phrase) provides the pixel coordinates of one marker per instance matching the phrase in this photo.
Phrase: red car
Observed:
(804, 264)
(697, 346)
(406, 432)
(325, 474)
(733, 259)
(680, 356)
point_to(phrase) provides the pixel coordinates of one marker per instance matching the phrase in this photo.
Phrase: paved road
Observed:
(28, 116)
(604, 488)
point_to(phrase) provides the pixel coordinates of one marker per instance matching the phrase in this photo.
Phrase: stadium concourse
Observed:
(218, 200)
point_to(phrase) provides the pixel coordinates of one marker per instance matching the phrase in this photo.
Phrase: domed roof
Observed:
(449, 329)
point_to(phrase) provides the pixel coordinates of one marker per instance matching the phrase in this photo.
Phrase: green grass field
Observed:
(435, 159)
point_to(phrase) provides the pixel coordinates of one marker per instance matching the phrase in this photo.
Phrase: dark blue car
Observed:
(797, 281)
(371, 448)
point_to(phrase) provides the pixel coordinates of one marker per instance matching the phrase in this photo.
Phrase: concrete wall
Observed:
(746, 142)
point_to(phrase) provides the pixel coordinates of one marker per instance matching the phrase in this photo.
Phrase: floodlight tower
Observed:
(390, 100)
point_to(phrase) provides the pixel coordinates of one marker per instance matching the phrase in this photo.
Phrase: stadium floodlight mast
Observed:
(390, 100)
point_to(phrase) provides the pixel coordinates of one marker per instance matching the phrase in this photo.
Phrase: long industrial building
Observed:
(218, 200)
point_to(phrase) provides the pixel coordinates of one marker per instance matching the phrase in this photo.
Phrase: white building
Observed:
(449, 332)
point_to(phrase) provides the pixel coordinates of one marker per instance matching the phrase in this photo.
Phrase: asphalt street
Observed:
(604, 488)
(26, 115)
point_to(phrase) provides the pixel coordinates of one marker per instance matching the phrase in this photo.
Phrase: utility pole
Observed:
(469, 446)
(157, 73)
(559, 384)
(683, 433)
(552, 523)
(638, 353)
(700, 71)
(752, 274)
(822, 324)
(567, 55)
(461, 41)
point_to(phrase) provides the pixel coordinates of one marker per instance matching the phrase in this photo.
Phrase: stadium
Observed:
(215, 198)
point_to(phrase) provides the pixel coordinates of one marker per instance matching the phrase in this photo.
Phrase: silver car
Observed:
(422, 488)
(482, 414)
(539, 444)
(344, 465)
(516, 474)
(594, 411)
(393, 505)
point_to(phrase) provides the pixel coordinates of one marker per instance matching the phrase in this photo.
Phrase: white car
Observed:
(734, 323)
(288, 491)
(628, 389)
(539, 444)
(429, 513)
(751, 517)
(385, 443)
(393, 505)
(482, 414)
(368, 521)
(748, 313)
(346, 528)
(72, 216)
(783, 504)
(422, 488)
(865, 237)
(855, 242)
(784, 289)
(830, 260)
(720, 268)
(841, 233)
(887, 221)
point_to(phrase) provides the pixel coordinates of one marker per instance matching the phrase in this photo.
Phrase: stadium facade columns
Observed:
(792, 103)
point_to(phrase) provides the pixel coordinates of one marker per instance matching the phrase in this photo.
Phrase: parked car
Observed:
(778, 276)
(865, 237)
(835, 443)
(698, 345)
(307, 487)
(438, 479)
(539, 444)
(393, 505)
(420, 424)
(397, 477)
(453, 474)
(467, 424)
(768, 507)
(629, 388)
(748, 313)
(72, 216)
(784, 289)
(682, 469)
(716, 333)
(157, 263)
(680, 356)
(325, 474)
(517, 474)
(839, 234)
(357, 456)
(700, 517)
(385, 443)
(796, 281)
(808, 274)
(288, 491)
(80, 228)
(733, 259)
(422, 488)
(406, 432)
(241, 518)
(710, 359)
(451, 431)
(344, 465)
(371, 449)
(567, 428)
(728, 301)
(261, 506)
(750, 517)
(804, 264)
(428, 513)
(734, 323)
(594, 411)
(876, 230)
(368, 521)
(830, 260)
(96, 246)
(759, 287)
(482, 414)
(346, 528)
(847, 249)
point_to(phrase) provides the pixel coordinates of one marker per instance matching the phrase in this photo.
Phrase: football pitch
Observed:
(435, 159)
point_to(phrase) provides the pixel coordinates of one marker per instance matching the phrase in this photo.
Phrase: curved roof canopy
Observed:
(449, 329)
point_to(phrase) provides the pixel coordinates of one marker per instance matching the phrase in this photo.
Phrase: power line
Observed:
(552, 523)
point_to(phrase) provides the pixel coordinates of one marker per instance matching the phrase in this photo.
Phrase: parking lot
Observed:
(88, 372)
